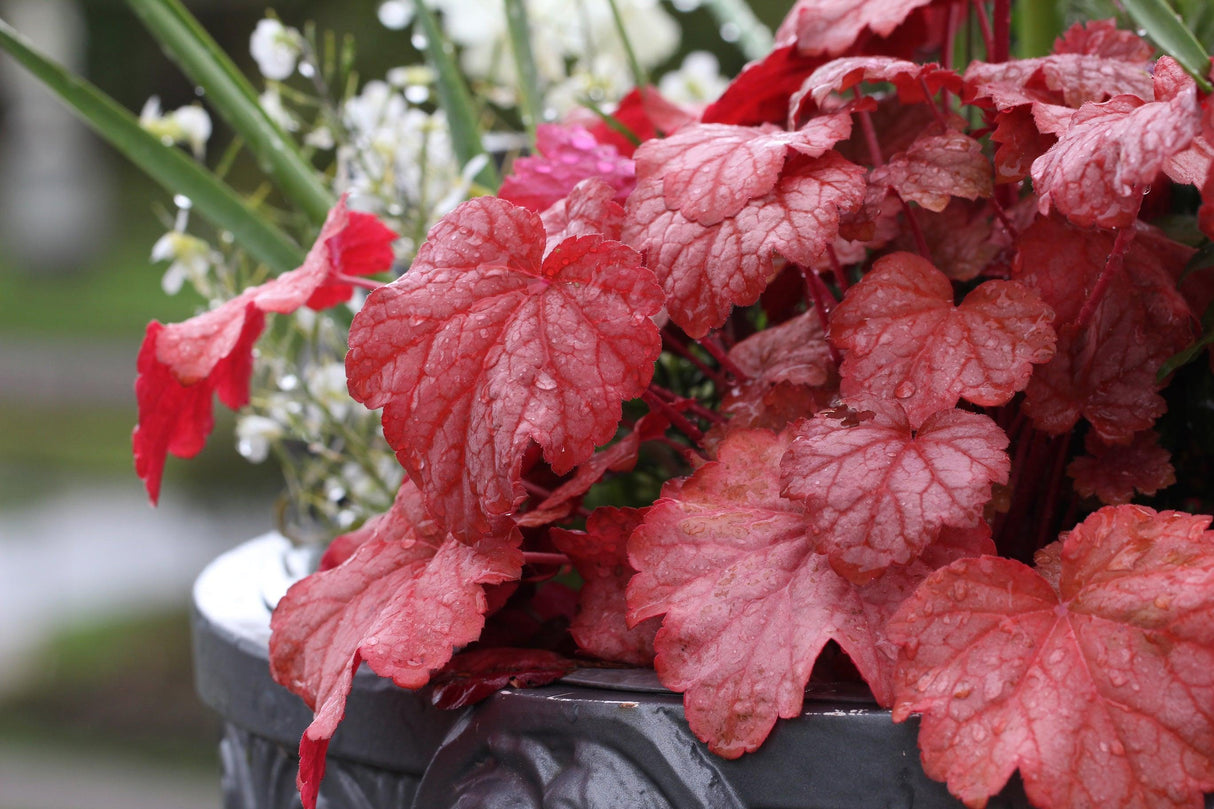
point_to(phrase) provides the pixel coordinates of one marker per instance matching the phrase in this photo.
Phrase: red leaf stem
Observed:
(837, 270)
(984, 22)
(357, 281)
(870, 135)
(1001, 215)
(823, 303)
(677, 419)
(683, 403)
(673, 343)
(936, 113)
(1046, 526)
(713, 346)
(916, 231)
(950, 41)
(545, 558)
(1112, 267)
(1003, 31)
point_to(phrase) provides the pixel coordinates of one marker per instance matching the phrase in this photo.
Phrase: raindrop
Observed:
(963, 690)
(905, 390)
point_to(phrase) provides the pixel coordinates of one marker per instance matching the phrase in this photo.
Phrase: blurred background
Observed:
(96, 696)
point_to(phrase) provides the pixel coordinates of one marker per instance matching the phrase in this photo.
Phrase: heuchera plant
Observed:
(872, 354)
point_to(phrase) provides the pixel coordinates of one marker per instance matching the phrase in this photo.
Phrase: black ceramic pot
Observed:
(595, 740)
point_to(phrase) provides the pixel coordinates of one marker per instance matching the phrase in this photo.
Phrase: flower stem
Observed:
(1112, 267)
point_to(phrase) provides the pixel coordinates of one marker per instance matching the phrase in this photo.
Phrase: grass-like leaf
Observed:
(169, 166)
(233, 97)
(1167, 31)
(530, 103)
(455, 98)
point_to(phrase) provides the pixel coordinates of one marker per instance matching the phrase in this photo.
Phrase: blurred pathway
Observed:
(29, 780)
(84, 553)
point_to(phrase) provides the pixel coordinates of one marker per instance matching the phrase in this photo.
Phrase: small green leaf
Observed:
(1183, 358)
(233, 97)
(169, 166)
(1169, 32)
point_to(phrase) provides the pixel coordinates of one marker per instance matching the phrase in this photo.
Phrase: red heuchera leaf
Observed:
(1097, 690)
(877, 493)
(709, 172)
(600, 556)
(485, 347)
(904, 339)
(403, 602)
(748, 603)
(1098, 171)
(908, 77)
(794, 351)
(1114, 472)
(964, 240)
(646, 114)
(1105, 371)
(760, 93)
(181, 365)
(936, 168)
(1066, 79)
(706, 270)
(1104, 38)
(830, 27)
(480, 673)
(567, 155)
(589, 210)
(1020, 143)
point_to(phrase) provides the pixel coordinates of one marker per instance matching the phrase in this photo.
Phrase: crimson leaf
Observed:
(1092, 677)
(904, 339)
(486, 346)
(877, 493)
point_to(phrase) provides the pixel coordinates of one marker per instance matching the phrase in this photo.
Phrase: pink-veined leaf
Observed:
(709, 172)
(1020, 142)
(830, 27)
(1105, 371)
(794, 351)
(402, 602)
(1102, 164)
(567, 155)
(486, 346)
(904, 339)
(707, 270)
(589, 210)
(182, 364)
(877, 493)
(1104, 38)
(910, 78)
(600, 556)
(936, 168)
(748, 603)
(1067, 79)
(1092, 677)
(964, 240)
(1115, 472)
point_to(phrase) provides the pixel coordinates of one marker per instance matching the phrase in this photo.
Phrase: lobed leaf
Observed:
(877, 493)
(830, 27)
(904, 339)
(1092, 677)
(567, 155)
(486, 346)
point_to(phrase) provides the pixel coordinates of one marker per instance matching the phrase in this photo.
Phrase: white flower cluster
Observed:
(189, 125)
(577, 48)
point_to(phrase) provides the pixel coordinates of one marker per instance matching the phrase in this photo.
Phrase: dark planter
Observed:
(595, 740)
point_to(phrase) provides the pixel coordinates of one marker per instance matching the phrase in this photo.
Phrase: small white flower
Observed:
(254, 435)
(275, 48)
(191, 259)
(697, 81)
(189, 124)
(271, 102)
